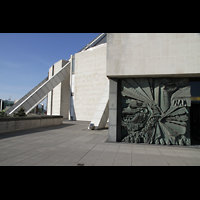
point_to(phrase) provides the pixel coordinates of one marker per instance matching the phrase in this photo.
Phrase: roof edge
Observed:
(96, 40)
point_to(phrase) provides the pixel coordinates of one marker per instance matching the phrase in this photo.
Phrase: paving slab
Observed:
(139, 160)
(190, 161)
(72, 144)
(123, 159)
(104, 162)
(156, 160)
(174, 161)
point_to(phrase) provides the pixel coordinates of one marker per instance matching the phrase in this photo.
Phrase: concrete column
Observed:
(72, 115)
(50, 97)
(112, 133)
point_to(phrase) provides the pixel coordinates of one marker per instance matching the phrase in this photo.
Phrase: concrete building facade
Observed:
(138, 64)
(89, 81)
(145, 84)
(78, 95)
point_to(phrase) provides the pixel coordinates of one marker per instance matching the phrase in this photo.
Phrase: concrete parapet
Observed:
(9, 124)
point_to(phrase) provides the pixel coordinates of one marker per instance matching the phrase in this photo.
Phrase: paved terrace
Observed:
(71, 144)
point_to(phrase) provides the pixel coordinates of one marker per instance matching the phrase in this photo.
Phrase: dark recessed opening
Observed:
(195, 111)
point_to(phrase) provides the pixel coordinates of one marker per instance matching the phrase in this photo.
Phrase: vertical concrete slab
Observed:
(90, 81)
(100, 116)
(58, 103)
(65, 95)
(49, 102)
(56, 100)
(112, 132)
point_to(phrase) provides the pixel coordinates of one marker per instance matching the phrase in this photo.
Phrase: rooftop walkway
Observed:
(72, 144)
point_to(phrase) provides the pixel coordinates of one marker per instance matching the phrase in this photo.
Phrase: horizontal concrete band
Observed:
(29, 123)
(194, 75)
(28, 118)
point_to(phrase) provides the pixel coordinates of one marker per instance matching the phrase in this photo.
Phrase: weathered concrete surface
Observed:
(20, 123)
(90, 81)
(153, 54)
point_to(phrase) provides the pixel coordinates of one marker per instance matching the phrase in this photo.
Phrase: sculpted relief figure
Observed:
(155, 111)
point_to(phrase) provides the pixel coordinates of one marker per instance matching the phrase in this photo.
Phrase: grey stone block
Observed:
(35, 123)
(3, 126)
(19, 125)
(10, 126)
(43, 122)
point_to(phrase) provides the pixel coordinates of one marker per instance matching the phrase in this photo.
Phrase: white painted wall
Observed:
(153, 54)
(90, 81)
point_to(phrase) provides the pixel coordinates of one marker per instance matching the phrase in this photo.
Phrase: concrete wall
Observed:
(148, 55)
(90, 81)
(16, 124)
(153, 54)
(58, 99)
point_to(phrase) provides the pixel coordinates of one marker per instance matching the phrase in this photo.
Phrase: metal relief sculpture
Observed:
(155, 111)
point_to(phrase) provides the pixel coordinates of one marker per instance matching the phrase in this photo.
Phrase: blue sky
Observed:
(25, 58)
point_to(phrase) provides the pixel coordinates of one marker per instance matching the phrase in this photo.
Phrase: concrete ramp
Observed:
(39, 93)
